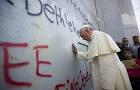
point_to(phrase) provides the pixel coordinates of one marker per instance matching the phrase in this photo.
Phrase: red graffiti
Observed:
(74, 84)
(8, 65)
(59, 86)
(41, 62)
(77, 83)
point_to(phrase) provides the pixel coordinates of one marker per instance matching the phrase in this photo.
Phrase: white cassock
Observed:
(107, 70)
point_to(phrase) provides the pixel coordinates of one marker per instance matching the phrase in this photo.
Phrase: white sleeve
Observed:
(82, 55)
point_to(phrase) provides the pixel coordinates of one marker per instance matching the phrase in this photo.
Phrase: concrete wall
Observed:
(111, 22)
(129, 20)
(136, 8)
(117, 18)
(35, 44)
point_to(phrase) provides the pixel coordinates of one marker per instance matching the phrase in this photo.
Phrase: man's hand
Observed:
(74, 49)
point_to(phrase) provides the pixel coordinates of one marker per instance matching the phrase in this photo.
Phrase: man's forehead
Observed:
(125, 39)
(83, 29)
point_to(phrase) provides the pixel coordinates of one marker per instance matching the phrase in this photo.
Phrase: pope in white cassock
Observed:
(108, 73)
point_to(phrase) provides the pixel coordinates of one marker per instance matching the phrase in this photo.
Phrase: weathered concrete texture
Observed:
(110, 15)
(128, 18)
(136, 6)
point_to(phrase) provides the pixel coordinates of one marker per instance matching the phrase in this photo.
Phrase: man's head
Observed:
(136, 40)
(86, 32)
(125, 41)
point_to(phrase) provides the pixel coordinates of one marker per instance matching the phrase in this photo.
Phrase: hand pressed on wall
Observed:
(74, 49)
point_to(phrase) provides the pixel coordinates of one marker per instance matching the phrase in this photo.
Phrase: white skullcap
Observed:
(86, 25)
